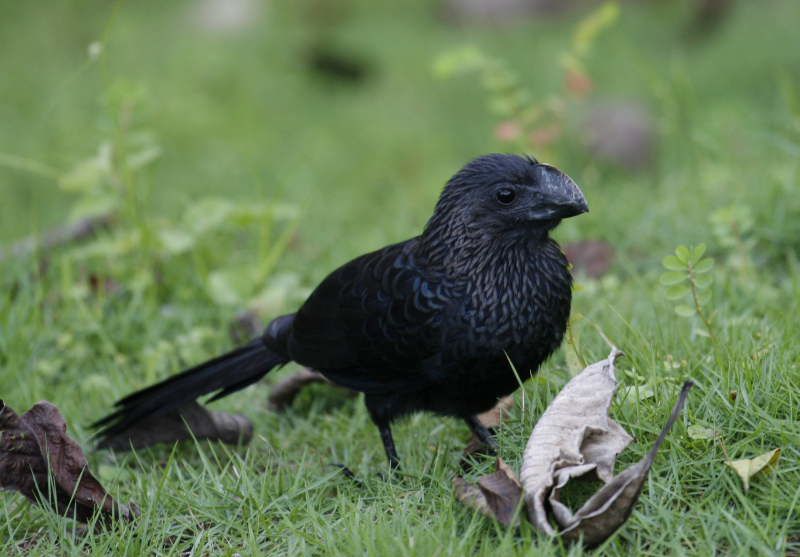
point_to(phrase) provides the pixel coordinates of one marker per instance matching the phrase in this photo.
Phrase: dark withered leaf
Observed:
(574, 438)
(192, 420)
(610, 507)
(471, 496)
(39, 460)
(496, 495)
(503, 493)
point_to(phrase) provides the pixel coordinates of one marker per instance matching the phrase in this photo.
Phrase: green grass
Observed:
(237, 116)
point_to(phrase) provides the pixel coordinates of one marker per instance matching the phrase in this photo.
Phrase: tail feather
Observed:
(222, 375)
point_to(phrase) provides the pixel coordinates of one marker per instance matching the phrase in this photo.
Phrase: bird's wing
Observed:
(375, 324)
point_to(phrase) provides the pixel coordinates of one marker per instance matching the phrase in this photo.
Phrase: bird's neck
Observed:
(460, 250)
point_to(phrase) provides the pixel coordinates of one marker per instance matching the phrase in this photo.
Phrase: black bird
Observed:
(433, 323)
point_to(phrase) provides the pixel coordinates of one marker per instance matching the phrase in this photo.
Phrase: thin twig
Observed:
(58, 237)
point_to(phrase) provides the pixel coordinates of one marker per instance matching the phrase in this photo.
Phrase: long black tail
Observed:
(222, 375)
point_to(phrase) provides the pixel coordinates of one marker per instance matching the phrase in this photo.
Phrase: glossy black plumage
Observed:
(427, 324)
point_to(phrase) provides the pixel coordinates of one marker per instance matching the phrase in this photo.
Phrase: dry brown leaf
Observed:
(573, 438)
(192, 420)
(503, 493)
(497, 495)
(610, 507)
(471, 496)
(39, 460)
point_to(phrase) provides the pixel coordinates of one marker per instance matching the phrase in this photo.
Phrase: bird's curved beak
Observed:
(562, 198)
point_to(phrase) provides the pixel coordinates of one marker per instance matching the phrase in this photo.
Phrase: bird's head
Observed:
(509, 195)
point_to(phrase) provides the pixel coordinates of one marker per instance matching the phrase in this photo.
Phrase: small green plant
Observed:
(527, 122)
(211, 245)
(687, 278)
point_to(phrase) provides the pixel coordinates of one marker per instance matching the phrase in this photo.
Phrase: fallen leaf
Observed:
(471, 496)
(699, 432)
(746, 468)
(496, 495)
(575, 437)
(192, 420)
(503, 493)
(39, 460)
(610, 507)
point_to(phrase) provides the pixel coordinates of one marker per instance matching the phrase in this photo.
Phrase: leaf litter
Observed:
(746, 468)
(574, 438)
(191, 421)
(39, 460)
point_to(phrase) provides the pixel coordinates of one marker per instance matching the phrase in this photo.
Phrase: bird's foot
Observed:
(347, 473)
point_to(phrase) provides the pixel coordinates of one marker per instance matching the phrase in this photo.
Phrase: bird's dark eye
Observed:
(505, 195)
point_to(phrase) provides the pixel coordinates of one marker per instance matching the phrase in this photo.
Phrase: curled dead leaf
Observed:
(610, 507)
(574, 437)
(192, 420)
(471, 496)
(39, 460)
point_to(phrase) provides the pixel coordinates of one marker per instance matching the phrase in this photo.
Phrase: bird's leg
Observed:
(379, 408)
(388, 445)
(481, 432)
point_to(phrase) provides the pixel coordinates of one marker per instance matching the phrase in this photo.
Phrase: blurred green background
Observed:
(246, 148)
(239, 111)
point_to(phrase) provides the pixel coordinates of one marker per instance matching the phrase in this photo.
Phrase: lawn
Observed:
(239, 176)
